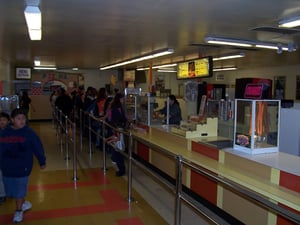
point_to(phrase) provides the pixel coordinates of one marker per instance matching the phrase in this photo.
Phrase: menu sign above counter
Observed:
(195, 69)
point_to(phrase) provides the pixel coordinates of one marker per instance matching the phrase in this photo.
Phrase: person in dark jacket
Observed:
(64, 102)
(25, 102)
(174, 111)
(116, 117)
(18, 145)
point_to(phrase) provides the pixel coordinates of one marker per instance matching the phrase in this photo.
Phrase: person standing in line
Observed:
(100, 103)
(25, 102)
(64, 102)
(52, 98)
(18, 144)
(4, 120)
(79, 102)
(117, 119)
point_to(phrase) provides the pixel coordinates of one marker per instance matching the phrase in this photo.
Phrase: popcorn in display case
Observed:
(256, 126)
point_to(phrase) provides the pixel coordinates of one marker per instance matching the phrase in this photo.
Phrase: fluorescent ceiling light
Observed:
(142, 58)
(224, 69)
(35, 35)
(229, 56)
(267, 46)
(290, 23)
(245, 43)
(37, 62)
(44, 68)
(157, 67)
(167, 71)
(225, 41)
(33, 18)
(274, 47)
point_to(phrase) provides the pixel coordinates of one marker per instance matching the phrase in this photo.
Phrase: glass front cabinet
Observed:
(145, 113)
(256, 126)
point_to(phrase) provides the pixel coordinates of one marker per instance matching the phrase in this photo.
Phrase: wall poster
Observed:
(279, 87)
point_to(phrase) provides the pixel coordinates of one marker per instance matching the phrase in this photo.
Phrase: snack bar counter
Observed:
(273, 175)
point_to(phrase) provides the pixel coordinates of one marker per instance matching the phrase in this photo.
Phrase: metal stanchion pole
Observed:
(61, 131)
(129, 198)
(177, 212)
(80, 128)
(90, 136)
(104, 146)
(67, 138)
(75, 178)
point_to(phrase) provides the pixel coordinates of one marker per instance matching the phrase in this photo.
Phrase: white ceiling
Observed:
(92, 33)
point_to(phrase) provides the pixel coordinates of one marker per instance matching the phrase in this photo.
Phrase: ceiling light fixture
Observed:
(167, 71)
(33, 18)
(290, 23)
(245, 43)
(229, 56)
(44, 68)
(227, 41)
(225, 69)
(37, 62)
(274, 47)
(152, 55)
(158, 67)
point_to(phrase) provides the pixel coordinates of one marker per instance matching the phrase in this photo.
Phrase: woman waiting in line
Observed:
(117, 119)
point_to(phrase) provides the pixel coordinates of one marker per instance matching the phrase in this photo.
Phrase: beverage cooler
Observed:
(213, 92)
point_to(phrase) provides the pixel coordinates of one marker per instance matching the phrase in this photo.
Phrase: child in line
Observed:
(18, 145)
(4, 120)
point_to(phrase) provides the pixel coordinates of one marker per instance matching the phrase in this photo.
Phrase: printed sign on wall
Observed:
(23, 73)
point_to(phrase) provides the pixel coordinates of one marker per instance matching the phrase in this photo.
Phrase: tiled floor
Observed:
(96, 197)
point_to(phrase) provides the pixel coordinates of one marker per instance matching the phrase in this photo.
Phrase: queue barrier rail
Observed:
(180, 162)
(64, 126)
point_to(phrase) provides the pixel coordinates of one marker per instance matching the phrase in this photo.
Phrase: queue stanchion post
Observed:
(129, 197)
(75, 178)
(177, 211)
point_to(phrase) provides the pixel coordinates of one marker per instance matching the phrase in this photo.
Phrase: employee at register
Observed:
(174, 111)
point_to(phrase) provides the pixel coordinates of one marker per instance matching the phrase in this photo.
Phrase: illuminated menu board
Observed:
(195, 68)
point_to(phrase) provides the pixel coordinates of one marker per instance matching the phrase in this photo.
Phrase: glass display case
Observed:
(131, 102)
(146, 111)
(8, 103)
(256, 126)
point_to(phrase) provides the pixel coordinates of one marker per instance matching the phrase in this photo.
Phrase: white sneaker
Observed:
(26, 206)
(18, 216)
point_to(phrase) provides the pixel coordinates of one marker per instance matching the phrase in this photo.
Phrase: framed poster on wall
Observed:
(23, 73)
(279, 87)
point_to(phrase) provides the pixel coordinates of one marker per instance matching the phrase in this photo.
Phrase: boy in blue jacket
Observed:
(18, 145)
